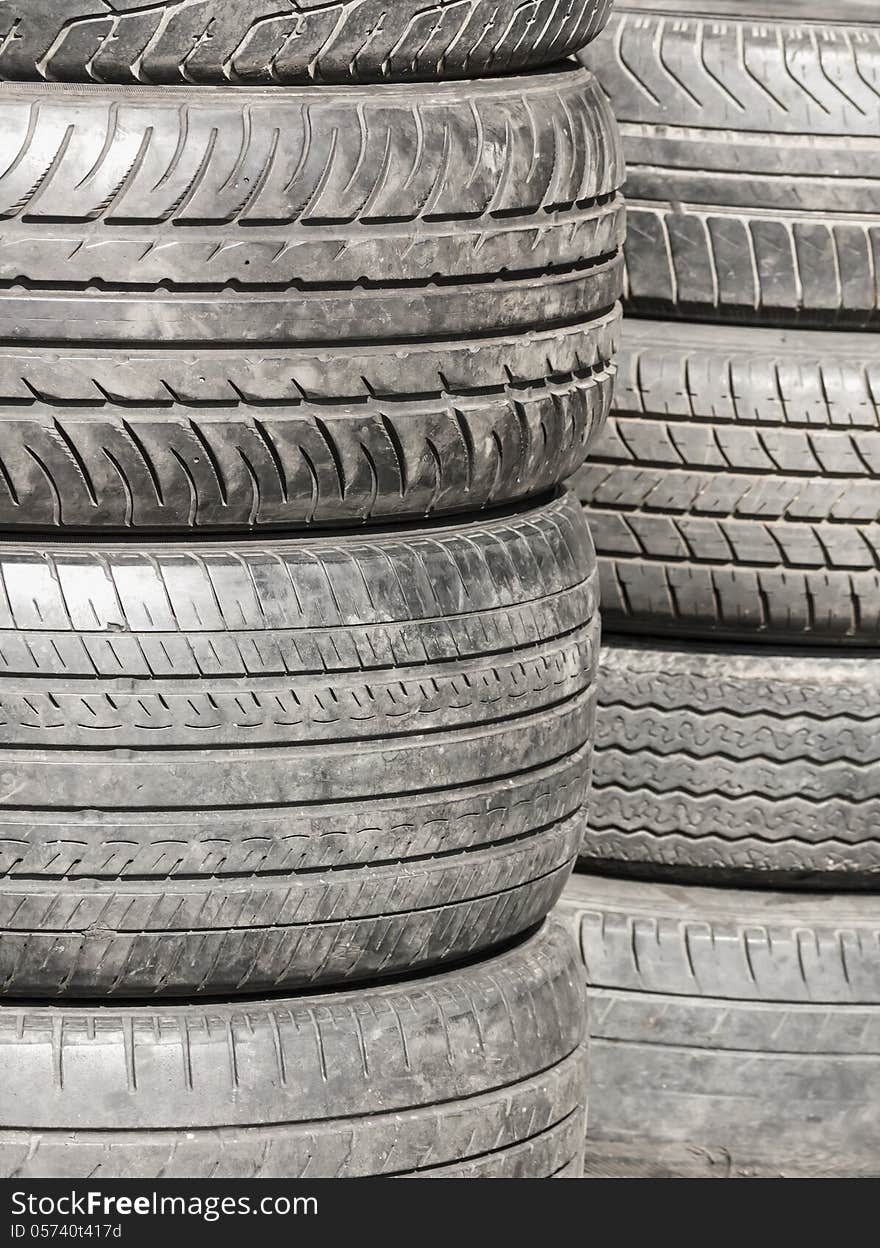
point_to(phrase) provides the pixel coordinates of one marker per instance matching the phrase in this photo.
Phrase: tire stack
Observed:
(730, 926)
(305, 313)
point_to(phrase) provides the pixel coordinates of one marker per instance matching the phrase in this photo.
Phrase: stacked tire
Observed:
(731, 943)
(304, 318)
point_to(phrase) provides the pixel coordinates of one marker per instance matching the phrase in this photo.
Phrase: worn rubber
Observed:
(733, 1033)
(752, 150)
(287, 41)
(475, 1071)
(841, 12)
(230, 767)
(737, 765)
(253, 308)
(734, 492)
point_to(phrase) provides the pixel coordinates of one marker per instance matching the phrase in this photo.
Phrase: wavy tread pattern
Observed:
(728, 1024)
(750, 147)
(288, 41)
(234, 767)
(734, 490)
(477, 1070)
(732, 764)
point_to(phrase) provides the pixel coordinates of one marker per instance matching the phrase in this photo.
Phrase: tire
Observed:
(287, 41)
(245, 308)
(238, 768)
(734, 492)
(733, 1034)
(726, 765)
(476, 1071)
(752, 149)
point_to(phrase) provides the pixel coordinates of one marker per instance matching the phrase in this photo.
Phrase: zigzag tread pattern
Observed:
(271, 42)
(706, 680)
(711, 761)
(719, 735)
(682, 772)
(726, 840)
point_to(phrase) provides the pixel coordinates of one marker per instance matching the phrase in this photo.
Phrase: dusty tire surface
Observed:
(475, 1071)
(734, 491)
(752, 149)
(737, 765)
(234, 767)
(287, 41)
(248, 308)
(732, 1033)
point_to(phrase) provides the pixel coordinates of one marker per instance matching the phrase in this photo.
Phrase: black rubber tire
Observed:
(237, 767)
(287, 41)
(733, 1033)
(737, 765)
(249, 308)
(476, 1071)
(839, 12)
(752, 149)
(736, 489)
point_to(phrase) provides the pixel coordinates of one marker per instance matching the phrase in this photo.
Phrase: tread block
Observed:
(291, 41)
(480, 1070)
(733, 1033)
(248, 766)
(733, 490)
(407, 308)
(751, 152)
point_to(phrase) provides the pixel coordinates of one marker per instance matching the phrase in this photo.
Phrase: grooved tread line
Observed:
(267, 159)
(806, 269)
(288, 41)
(729, 761)
(731, 72)
(750, 146)
(107, 468)
(537, 1105)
